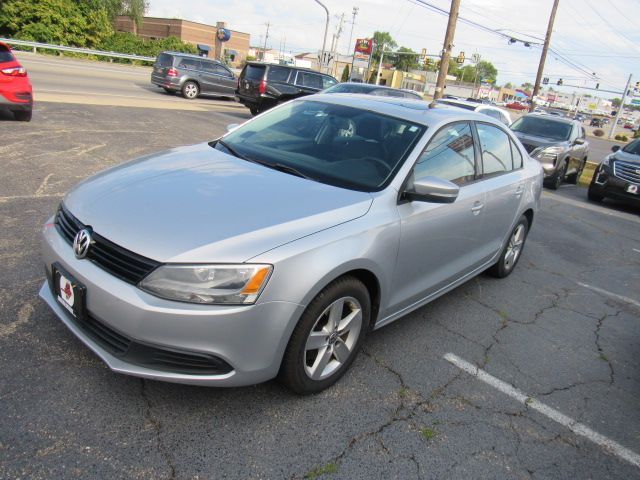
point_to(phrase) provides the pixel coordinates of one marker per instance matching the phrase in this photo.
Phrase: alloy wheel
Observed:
(514, 247)
(190, 90)
(333, 338)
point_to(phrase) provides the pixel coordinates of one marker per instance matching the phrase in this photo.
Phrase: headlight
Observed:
(210, 284)
(548, 153)
(606, 160)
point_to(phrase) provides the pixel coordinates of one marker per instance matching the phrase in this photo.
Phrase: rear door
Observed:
(250, 79)
(191, 67)
(219, 80)
(308, 82)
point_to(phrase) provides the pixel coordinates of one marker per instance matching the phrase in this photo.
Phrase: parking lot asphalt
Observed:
(562, 333)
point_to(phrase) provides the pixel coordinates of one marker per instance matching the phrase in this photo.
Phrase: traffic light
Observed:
(637, 87)
(597, 86)
(460, 58)
(545, 81)
(559, 82)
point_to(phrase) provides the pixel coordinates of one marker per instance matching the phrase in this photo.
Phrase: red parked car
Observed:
(517, 106)
(15, 88)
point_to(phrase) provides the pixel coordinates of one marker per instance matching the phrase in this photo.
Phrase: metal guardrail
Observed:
(64, 48)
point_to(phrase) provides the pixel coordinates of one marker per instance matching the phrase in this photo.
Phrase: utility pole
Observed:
(326, 29)
(619, 112)
(384, 45)
(446, 49)
(264, 50)
(543, 55)
(336, 41)
(353, 22)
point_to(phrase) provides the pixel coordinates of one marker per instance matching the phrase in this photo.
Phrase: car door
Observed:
(576, 150)
(218, 79)
(308, 82)
(440, 242)
(503, 183)
(192, 69)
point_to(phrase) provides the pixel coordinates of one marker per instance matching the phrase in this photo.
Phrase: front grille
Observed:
(529, 148)
(627, 171)
(120, 262)
(151, 356)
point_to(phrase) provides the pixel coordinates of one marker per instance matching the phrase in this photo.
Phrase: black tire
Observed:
(555, 181)
(293, 371)
(168, 90)
(190, 90)
(574, 177)
(504, 266)
(23, 115)
(591, 193)
(254, 111)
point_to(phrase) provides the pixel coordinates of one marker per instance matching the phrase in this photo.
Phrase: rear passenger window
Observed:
(190, 64)
(517, 156)
(278, 74)
(220, 70)
(496, 149)
(310, 80)
(450, 155)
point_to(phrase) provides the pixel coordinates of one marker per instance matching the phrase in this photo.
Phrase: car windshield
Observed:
(254, 72)
(542, 127)
(334, 144)
(632, 148)
(164, 60)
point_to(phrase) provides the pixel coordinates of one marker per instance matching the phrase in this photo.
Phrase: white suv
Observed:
(495, 112)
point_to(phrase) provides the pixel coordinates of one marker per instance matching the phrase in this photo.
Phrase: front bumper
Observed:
(605, 183)
(251, 339)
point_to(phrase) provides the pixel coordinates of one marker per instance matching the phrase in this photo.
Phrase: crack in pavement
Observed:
(599, 347)
(157, 426)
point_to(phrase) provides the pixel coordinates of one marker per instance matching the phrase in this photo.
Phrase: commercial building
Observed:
(235, 49)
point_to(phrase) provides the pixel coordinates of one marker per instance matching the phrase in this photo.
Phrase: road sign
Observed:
(635, 101)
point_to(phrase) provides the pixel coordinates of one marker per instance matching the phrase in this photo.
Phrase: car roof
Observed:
(190, 55)
(416, 111)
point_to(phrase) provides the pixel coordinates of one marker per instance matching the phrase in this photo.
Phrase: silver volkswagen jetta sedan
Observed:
(272, 251)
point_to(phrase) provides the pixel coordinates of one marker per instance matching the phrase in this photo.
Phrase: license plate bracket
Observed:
(69, 292)
(632, 189)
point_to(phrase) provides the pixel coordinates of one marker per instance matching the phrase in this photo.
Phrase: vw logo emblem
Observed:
(82, 242)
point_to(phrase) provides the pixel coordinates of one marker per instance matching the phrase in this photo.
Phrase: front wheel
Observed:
(327, 338)
(556, 180)
(575, 177)
(190, 90)
(512, 250)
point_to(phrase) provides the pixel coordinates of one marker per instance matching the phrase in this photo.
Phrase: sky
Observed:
(594, 36)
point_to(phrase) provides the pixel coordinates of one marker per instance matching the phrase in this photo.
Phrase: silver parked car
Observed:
(273, 250)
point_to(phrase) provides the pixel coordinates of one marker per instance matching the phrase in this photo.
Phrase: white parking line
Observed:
(607, 293)
(636, 250)
(576, 427)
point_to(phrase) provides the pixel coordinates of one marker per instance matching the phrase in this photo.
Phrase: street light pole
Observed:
(543, 55)
(326, 29)
(620, 108)
(446, 49)
(380, 64)
(353, 22)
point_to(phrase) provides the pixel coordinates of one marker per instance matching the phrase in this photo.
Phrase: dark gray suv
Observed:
(192, 75)
(559, 145)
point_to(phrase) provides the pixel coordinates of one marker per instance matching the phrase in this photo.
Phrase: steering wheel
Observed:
(383, 167)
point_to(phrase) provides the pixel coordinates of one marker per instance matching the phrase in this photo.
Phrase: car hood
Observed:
(539, 141)
(197, 204)
(627, 157)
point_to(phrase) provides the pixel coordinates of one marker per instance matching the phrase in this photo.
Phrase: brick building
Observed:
(236, 49)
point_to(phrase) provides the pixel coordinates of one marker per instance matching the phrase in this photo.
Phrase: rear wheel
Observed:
(22, 115)
(254, 110)
(190, 90)
(327, 338)
(575, 177)
(512, 250)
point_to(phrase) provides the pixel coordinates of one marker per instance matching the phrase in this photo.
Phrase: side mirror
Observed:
(578, 141)
(232, 126)
(432, 189)
(615, 148)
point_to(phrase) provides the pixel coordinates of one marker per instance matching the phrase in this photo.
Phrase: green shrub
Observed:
(618, 137)
(624, 138)
(637, 134)
(598, 132)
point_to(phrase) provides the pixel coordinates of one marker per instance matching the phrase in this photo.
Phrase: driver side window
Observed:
(450, 155)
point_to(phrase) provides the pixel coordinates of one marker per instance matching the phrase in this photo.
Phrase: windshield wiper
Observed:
(288, 169)
(233, 152)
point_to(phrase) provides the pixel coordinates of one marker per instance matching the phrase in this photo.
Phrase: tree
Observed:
(382, 39)
(615, 102)
(345, 74)
(527, 86)
(55, 21)
(405, 62)
(508, 85)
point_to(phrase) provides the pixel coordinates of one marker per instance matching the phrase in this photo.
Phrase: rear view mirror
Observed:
(615, 148)
(433, 189)
(232, 126)
(578, 141)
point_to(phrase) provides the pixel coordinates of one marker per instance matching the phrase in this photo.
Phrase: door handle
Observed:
(477, 207)
(519, 190)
